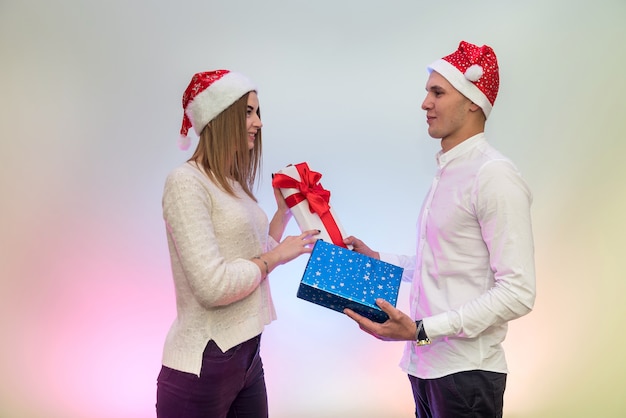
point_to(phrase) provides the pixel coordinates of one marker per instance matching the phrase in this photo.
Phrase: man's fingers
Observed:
(371, 327)
(385, 306)
(351, 314)
(355, 316)
(363, 322)
(369, 332)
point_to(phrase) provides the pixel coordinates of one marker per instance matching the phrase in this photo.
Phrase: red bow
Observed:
(311, 190)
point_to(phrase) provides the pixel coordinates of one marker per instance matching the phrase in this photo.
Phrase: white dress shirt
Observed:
(474, 269)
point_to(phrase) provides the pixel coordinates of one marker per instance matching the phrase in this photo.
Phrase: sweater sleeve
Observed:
(198, 263)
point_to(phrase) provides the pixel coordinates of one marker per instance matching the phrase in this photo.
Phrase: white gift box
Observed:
(298, 200)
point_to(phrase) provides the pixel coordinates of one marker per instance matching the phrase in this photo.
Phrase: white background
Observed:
(90, 112)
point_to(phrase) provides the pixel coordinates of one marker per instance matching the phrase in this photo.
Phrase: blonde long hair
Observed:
(223, 151)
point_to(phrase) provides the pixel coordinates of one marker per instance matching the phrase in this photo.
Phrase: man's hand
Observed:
(360, 247)
(399, 326)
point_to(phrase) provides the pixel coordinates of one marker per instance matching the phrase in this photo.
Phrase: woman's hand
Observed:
(280, 201)
(291, 247)
(295, 245)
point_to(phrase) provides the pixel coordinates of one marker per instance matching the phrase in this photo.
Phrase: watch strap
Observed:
(420, 334)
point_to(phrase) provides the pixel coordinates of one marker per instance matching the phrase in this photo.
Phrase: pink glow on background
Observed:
(89, 117)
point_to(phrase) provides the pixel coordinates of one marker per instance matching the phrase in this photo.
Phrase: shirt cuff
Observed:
(442, 325)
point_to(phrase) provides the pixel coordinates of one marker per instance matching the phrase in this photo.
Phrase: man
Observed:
(474, 268)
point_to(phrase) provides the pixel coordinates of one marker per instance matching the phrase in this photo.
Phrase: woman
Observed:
(222, 249)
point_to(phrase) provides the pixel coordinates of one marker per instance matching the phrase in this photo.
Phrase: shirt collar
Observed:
(469, 144)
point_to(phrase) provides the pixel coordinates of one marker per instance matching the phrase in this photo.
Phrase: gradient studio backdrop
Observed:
(89, 116)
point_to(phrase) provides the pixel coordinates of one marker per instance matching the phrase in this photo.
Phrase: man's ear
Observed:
(477, 110)
(474, 107)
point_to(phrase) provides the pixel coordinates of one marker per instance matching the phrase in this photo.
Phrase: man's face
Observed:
(446, 109)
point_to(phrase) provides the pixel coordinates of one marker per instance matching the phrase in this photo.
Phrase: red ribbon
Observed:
(311, 190)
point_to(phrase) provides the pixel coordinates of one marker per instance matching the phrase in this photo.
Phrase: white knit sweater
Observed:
(220, 295)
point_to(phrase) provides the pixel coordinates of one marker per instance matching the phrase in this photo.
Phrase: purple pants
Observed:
(231, 385)
(471, 394)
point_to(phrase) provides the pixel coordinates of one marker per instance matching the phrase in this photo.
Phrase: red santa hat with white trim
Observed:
(210, 93)
(473, 71)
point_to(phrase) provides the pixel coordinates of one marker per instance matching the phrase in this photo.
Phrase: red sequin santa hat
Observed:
(473, 71)
(210, 93)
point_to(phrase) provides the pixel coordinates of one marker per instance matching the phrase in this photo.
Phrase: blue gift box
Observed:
(338, 278)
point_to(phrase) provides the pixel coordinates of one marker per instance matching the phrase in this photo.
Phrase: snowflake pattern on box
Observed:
(338, 278)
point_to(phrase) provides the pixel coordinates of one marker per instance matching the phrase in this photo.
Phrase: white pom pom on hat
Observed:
(210, 93)
(184, 142)
(473, 71)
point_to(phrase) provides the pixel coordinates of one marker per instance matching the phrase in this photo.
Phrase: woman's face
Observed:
(253, 121)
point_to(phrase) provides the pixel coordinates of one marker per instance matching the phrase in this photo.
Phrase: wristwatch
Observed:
(420, 334)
